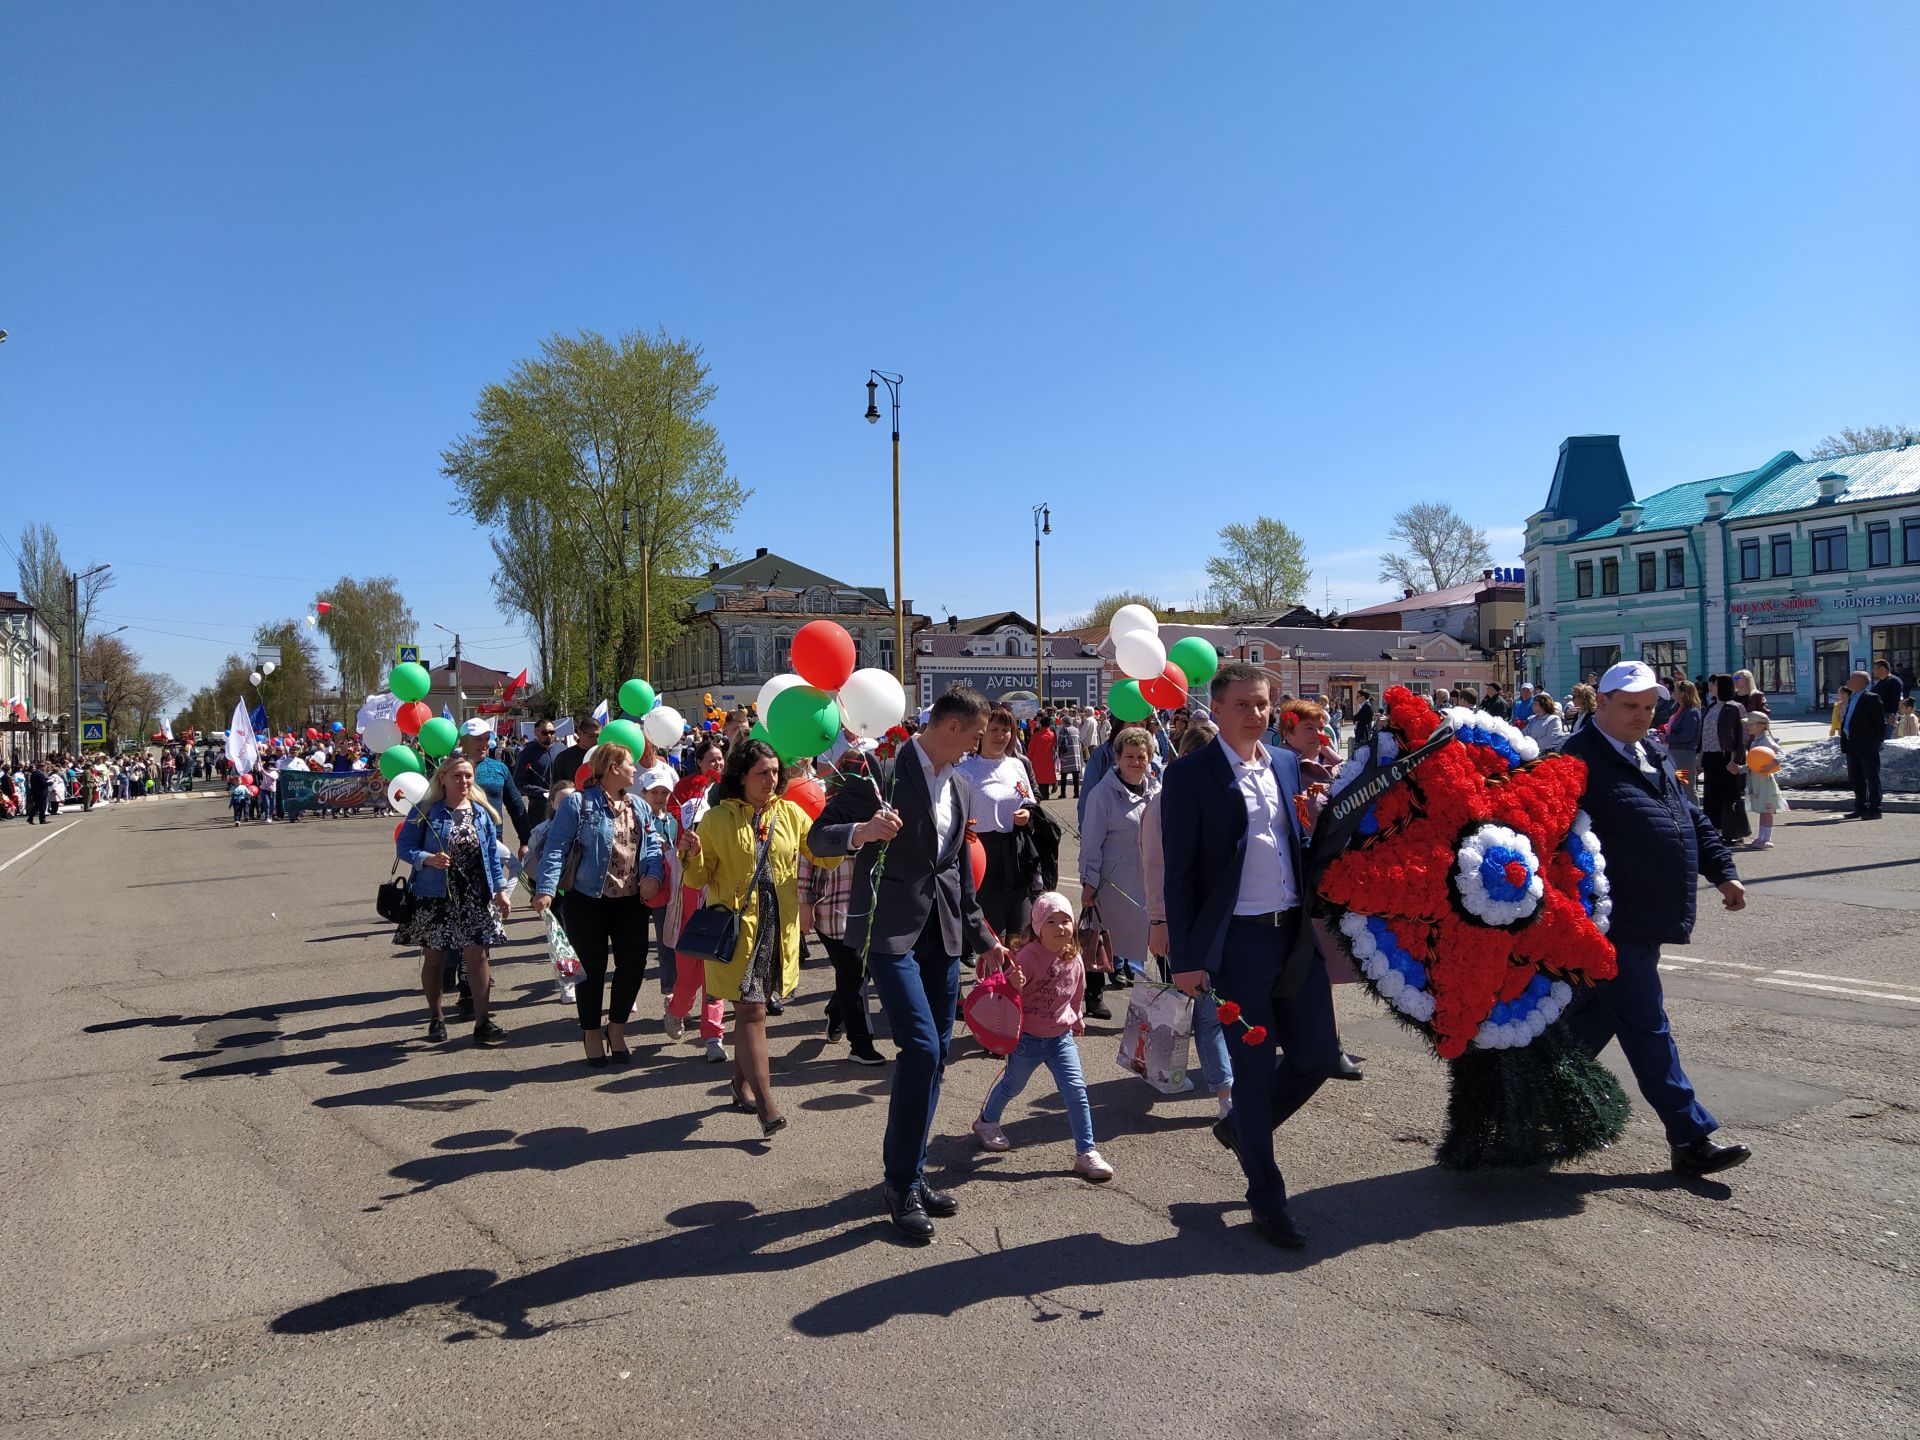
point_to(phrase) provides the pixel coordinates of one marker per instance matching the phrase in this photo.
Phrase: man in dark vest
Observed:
(1657, 844)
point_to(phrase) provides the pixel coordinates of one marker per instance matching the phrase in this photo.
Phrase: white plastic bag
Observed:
(1156, 1043)
(566, 965)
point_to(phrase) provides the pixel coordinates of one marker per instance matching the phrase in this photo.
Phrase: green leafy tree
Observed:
(297, 680)
(603, 447)
(1439, 548)
(1262, 566)
(366, 621)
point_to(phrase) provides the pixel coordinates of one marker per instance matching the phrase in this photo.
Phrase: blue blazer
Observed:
(1203, 829)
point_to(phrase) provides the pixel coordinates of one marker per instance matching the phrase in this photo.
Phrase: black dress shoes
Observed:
(1223, 1132)
(1345, 1069)
(938, 1202)
(1276, 1227)
(1854, 815)
(1706, 1155)
(908, 1212)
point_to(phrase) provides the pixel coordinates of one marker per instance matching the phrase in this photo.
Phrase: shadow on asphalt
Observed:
(253, 1012)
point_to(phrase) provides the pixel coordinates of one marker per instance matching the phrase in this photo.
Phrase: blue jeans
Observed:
(1632, 1009)
(1060, 1055)
(1210, 1041)
(1268, 1089)
(918, 990)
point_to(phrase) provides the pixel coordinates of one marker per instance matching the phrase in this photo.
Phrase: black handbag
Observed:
(712, 932)
(395, 901)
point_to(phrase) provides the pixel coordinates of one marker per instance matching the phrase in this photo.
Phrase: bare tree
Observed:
(1852, 440)
(1440, 548)
(43, 584)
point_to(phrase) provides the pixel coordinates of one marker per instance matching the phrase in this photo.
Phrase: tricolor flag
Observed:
(600, 713)
(166, 729)
(17, 710)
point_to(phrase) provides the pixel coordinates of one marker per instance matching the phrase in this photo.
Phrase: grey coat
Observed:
(1110, 860)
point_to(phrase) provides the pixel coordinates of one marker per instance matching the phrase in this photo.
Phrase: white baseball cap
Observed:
(477, 727)
(1634, 678)
(660, 777)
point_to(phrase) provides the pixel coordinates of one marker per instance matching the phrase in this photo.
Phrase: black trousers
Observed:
(1721, 795)
(1863, 774)
(1070, 777)
(596, 925)
(847, 1004)
(1004, 900)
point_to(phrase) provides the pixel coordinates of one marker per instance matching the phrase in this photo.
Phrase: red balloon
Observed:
(396, 831)
(411, 716)
(810, 795)
(1169, 691)
(582, 776)
(323, 607)
(312, 734)
(977, 854)
(823, 654)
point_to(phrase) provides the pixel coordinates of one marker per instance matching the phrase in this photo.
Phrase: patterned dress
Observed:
(760, 984)
(464, 915)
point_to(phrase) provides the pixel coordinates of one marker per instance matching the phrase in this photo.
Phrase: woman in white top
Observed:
(1003, 791)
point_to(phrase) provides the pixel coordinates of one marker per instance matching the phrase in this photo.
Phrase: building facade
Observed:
(30, 676)
(1798, 570)
(741, 620)
(999, 657)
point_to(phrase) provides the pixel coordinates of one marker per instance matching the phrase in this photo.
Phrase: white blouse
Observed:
(999, 787)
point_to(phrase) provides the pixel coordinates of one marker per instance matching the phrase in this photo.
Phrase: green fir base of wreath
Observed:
(1542, 1104)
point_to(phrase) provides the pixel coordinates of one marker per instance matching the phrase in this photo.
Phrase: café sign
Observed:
(1787, 606)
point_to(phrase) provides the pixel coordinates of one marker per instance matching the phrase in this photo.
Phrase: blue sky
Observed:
(1160, 266)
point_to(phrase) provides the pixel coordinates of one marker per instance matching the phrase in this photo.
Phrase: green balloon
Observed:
(1196, 658)
(625, 733)
(1124, 700)
(802, 722)
(636, 698)
(398, 760)
(759, 732)
(438, 737)
(409, 681)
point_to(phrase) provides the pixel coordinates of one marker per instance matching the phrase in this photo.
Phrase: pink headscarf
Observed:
(1048, 904)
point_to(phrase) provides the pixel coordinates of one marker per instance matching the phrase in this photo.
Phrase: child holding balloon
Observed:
(1763, 791)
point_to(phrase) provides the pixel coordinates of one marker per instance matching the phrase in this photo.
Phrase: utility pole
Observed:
(73, 616)
(454, 666)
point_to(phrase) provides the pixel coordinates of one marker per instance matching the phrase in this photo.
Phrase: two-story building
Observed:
(29, 680)
(1798, 570)
(740, 624)
(1000, 657)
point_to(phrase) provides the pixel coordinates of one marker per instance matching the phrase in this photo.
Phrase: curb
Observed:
(1820, 800)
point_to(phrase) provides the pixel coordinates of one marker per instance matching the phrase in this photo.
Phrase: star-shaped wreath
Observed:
(1474, 896)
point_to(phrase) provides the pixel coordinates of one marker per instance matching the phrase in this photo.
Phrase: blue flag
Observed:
(258, 719)
(446, 712)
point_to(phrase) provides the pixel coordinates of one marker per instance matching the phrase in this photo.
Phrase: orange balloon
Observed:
(1762, 762)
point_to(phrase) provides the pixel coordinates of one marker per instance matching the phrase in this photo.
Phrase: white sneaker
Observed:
(674, 1025)
(716, 1052)
(991, 1136)
(1089, 1165)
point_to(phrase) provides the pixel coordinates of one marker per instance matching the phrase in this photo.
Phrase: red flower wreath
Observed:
(1465, 900)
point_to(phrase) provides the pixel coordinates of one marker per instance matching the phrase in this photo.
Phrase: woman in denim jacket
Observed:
(603, 851)
(452, 841)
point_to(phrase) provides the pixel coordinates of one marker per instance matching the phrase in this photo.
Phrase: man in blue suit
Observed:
(1236, 903)
(1657, 844)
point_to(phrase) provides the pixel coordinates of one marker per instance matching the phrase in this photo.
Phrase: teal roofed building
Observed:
(1798, 570)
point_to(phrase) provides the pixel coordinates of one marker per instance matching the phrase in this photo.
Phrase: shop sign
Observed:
(1794, 605)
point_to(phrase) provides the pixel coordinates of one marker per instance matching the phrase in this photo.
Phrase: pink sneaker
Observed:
(1090, 1166)
(991, 1137)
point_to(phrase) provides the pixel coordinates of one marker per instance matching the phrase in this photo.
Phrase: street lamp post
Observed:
(646, 606)
(1042, 525)
(458, 694)
(875, 379)
(73, 615)
(1240, 645)
(1299, 654)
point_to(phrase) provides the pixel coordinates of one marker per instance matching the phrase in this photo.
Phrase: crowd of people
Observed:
(38, 790)
(722, 865)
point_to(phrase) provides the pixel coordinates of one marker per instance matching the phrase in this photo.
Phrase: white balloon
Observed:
(1140, 655)
(1129, 618)
(872, 702)
(267, 669)
(406, 791)
(772, 688)
(663, 725)
(382, 733)
(254, 678)
(313, 619)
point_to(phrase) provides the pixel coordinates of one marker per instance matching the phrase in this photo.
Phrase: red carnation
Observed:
(1229, 1012)
(1255, 1034)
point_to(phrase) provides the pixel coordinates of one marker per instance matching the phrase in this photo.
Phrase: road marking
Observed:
(1703, 960)
(1838, 990)
(1847, 979)
(37, 844)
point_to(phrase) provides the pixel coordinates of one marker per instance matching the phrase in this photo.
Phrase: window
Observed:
(1910, 542)
(1533, 589)
(1256, 655)
(1649, 571)
(1596, 660)
(1667, 657)
(1676, 569)
(1829, 551)
(1610, 575)
(1899, 646)
(746, 652)
(1879, 545)
(1749, 559)
(782, 652)
(1782, 554)
(885, 661)
(1770, 657)
(1583, 579)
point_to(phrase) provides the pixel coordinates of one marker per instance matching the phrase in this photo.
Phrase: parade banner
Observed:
(302, 790)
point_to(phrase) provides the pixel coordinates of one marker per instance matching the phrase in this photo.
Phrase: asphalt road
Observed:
(245, 1198)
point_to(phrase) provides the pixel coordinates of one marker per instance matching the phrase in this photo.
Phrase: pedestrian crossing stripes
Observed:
(1857, 987)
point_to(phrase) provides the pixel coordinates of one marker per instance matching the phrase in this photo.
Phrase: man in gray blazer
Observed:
(913, 913)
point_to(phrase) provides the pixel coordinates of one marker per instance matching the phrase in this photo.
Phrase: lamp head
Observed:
(1046, 520)
(873, 402)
